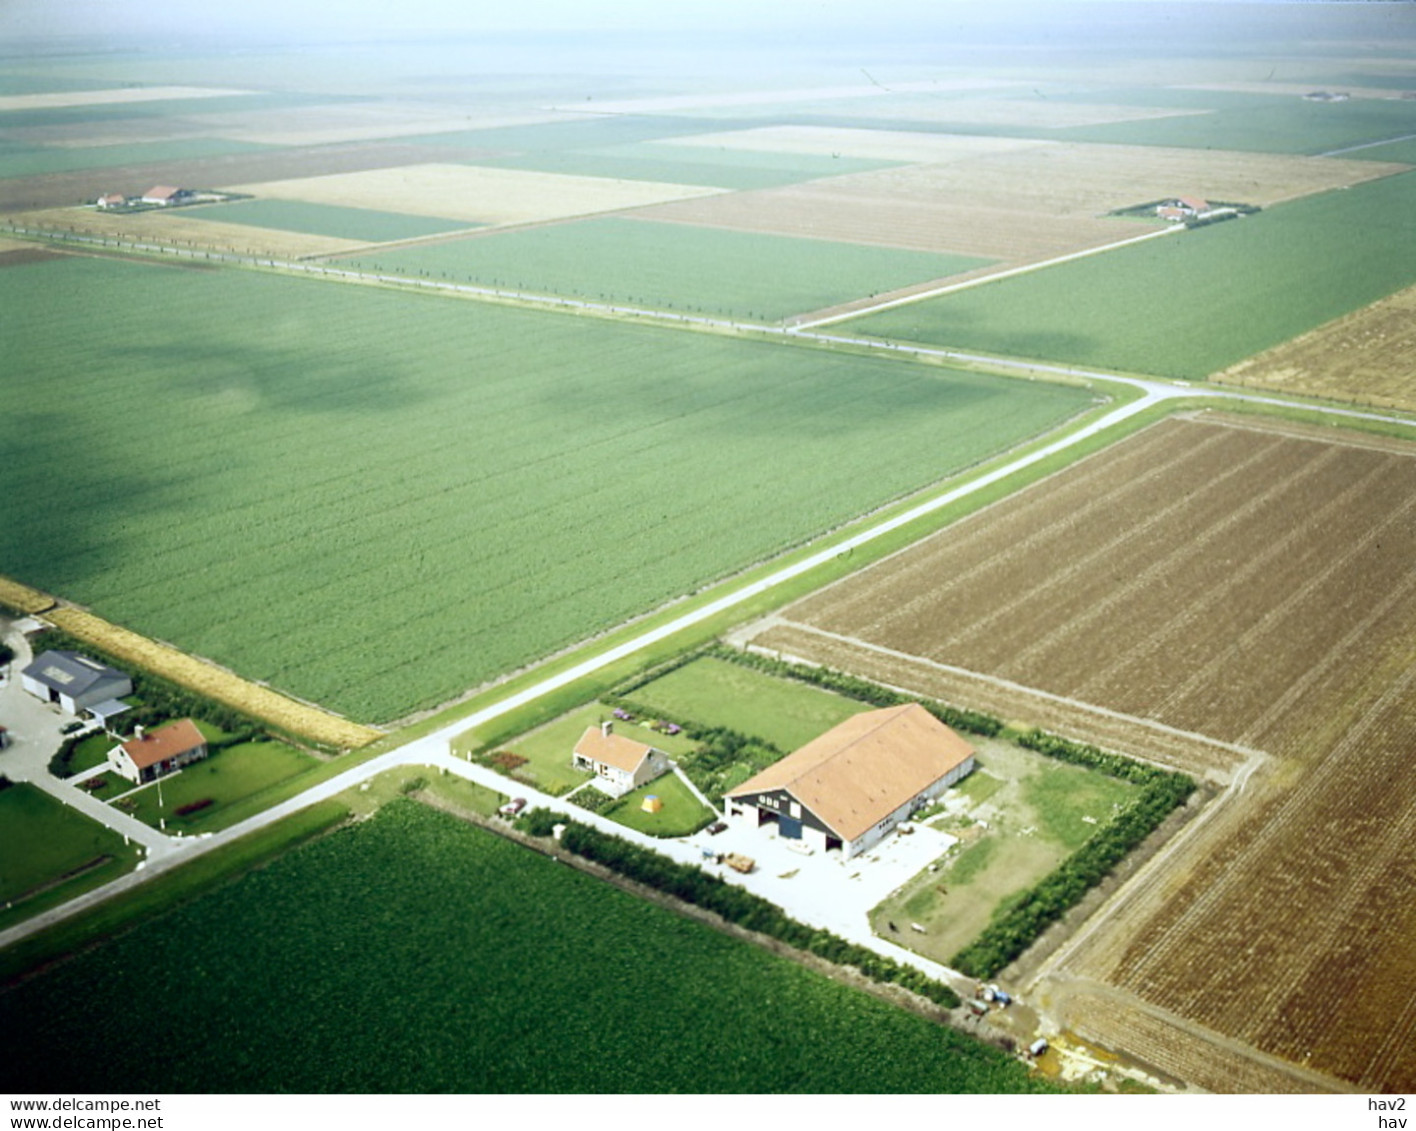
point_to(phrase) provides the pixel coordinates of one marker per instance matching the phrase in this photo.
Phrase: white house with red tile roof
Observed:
(854, 784)
(619, 764)
(148, 756)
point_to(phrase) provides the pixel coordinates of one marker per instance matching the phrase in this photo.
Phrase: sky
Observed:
(364, 18)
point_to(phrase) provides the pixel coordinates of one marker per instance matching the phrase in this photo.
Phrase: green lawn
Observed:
(1024, 816)
(91, 752)
(324, 219)
(715, 692)
(548, 749)
(681, 815)
(675, 266)
(45, 841)
(509, 972)
(376, 500)
(1189, 304)
(224, 777)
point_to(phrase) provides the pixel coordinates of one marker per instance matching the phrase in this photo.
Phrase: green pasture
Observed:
(672, 266)
(1403, 151)
(182, 108)
(1188, 304)
(376, 500)
(715, 692)
(45, 841)
(1259, 123)
(366, 224)
(478, 946)
(18, 160)
(224, 777)
(689, 165)
(682, 813)
(1022, 814)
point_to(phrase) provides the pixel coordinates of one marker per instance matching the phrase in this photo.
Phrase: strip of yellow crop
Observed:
(213, 682)
(22, 597)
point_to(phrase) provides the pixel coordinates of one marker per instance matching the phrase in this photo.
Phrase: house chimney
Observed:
(138, 733)
(606, 727)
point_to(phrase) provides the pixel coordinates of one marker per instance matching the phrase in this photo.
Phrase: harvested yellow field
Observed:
(22, 597)
(1016, 202)
(213, 682)
(186, 228)
(110, 97)
(1364, 357)
(908, 146)
(476, 193)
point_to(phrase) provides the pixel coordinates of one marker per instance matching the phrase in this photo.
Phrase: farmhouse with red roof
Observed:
(147, 757)
(619, 764)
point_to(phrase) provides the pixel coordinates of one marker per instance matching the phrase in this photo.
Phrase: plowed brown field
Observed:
(1220, 579)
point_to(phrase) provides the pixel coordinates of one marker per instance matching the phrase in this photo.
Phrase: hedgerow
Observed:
(735, 904)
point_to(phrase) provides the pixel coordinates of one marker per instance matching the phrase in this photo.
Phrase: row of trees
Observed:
(734, 904)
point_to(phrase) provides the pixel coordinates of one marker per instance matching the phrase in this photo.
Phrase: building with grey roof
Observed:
(75, 682)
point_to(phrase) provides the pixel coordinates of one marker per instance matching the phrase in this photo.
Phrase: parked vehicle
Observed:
(739, 863)
(513, 807)
(716, 827)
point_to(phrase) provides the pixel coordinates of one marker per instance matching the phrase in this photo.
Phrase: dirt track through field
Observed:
(1223, 579)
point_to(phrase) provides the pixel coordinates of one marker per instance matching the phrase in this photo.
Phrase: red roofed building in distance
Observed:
(112, 200)
(849, 788)
(163, 194)
(619, 764)
(148, 756)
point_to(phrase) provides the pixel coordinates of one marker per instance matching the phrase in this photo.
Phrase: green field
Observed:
(689, 165)
(714, 692)
(324, 220)
(376, 500)
(674, 266)
(1192, 303)
(507, 972)
(28, 161)
(45, 841)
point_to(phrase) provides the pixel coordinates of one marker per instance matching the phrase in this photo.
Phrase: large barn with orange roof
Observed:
(850, 787)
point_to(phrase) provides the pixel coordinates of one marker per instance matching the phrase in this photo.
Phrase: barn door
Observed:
(789, 828)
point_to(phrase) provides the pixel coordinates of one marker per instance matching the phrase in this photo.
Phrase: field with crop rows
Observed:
(1247, 285)
(361, 224)
(1363, 357)
(481, 948)
(375, 500)
(1248, 583)
(472, 193)
(678, 266)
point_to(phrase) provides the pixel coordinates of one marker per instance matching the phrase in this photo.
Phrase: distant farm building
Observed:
(619, 764)
(1182, 208)
(164, 195)
(75, 682)
(147, 757)
(112, 200)
(1326, 96)
(850, 787)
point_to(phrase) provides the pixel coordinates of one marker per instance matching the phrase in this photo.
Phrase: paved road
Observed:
(433, 750)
